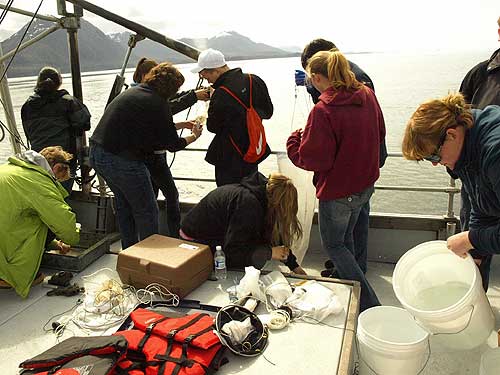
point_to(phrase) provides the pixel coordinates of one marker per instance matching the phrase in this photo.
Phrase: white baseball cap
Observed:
(209, 59)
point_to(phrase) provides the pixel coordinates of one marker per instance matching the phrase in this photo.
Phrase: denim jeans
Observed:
(360, 234)
(337, 219)
(162, 179)
(130, 182)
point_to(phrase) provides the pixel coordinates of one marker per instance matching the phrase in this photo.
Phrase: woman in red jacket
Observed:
(341, 144)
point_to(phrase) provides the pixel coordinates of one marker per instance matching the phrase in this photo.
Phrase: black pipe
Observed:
(180, 47)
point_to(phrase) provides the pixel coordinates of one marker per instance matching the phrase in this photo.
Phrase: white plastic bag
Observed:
(277, 288)
(313, 301)
(250, 285)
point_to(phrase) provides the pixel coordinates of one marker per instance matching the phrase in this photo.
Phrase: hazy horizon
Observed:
(375, 26)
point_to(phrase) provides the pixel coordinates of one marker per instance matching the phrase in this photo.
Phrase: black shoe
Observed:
(62, 278)
(329, 264)
(328, 272)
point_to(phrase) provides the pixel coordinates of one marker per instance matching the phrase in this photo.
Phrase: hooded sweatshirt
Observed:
(340, 143)
(234, 216)
(32, 203)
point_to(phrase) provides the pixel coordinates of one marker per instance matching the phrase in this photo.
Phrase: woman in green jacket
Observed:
(33, 214)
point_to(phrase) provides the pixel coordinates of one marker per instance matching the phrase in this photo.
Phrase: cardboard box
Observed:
(179, 265)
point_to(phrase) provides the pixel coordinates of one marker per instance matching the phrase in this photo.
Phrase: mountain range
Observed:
(99, 51)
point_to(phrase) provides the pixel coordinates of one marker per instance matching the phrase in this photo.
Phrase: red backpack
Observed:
(256, 133)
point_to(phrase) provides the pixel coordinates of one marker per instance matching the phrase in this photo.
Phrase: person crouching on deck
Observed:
(254, 221)
(341, 144)
(33, 214)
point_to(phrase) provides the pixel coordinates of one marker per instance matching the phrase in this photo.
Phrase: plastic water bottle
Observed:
(220, 264)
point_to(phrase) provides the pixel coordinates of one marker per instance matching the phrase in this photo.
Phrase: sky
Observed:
(354, 26)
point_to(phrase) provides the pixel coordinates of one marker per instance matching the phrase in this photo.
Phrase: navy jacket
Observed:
(234, 216)
(478, 167)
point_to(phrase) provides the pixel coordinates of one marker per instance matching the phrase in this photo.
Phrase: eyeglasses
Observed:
(435, 157)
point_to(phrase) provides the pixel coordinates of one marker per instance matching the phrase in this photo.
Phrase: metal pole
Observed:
(8, 108)
(26, 13)
(451, 195)
(31, 41)
(180, 47)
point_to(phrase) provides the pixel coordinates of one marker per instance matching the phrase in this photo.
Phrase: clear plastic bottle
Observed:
(220, 264)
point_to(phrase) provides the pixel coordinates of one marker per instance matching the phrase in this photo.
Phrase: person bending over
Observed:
(156, 162)
(448, 132)
(254, 221)
(135, 124)
(33, 214)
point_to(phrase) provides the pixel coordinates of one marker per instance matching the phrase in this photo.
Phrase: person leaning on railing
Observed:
(33, 214)
(134, 125)
(447, 131)
(51, 116)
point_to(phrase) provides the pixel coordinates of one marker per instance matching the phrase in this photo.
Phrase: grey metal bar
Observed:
(30, 14)
(451, 190)
(430, 189)
(180, 47)
(8, 108)
(31, 41)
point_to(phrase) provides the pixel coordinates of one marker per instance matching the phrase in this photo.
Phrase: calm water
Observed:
(402, 81)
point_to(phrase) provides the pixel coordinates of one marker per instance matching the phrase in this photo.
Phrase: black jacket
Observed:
(234, 216)
(228, 117)
(54, 119)
(481, 85)
(137, 122)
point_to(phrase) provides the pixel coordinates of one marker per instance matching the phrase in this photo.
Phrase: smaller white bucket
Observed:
(444, 292)
(390, 342)
(490, 362)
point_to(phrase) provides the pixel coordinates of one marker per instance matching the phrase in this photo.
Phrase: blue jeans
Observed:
(360, 234)
(130, 182)
(162, 179)
(337, 219)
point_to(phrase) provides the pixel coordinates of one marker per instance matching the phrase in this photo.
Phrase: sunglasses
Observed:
(435, 157)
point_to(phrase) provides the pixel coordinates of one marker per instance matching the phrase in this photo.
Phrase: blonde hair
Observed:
(282, 207)
(54, 155)
(334, 66)
(430, 120)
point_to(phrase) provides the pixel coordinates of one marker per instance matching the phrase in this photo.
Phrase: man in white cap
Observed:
(227, 116)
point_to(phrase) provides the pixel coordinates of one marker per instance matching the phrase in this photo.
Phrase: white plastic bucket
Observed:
(490, 362)
(444, 292)
(390, 342)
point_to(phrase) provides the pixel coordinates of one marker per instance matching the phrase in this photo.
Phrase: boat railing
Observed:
(451, 189)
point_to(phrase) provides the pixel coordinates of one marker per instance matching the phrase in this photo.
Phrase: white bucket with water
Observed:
(445, 294)
(390, 342)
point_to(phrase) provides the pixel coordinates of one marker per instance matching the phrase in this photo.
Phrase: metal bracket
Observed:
(70, 23)
(133, 39)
